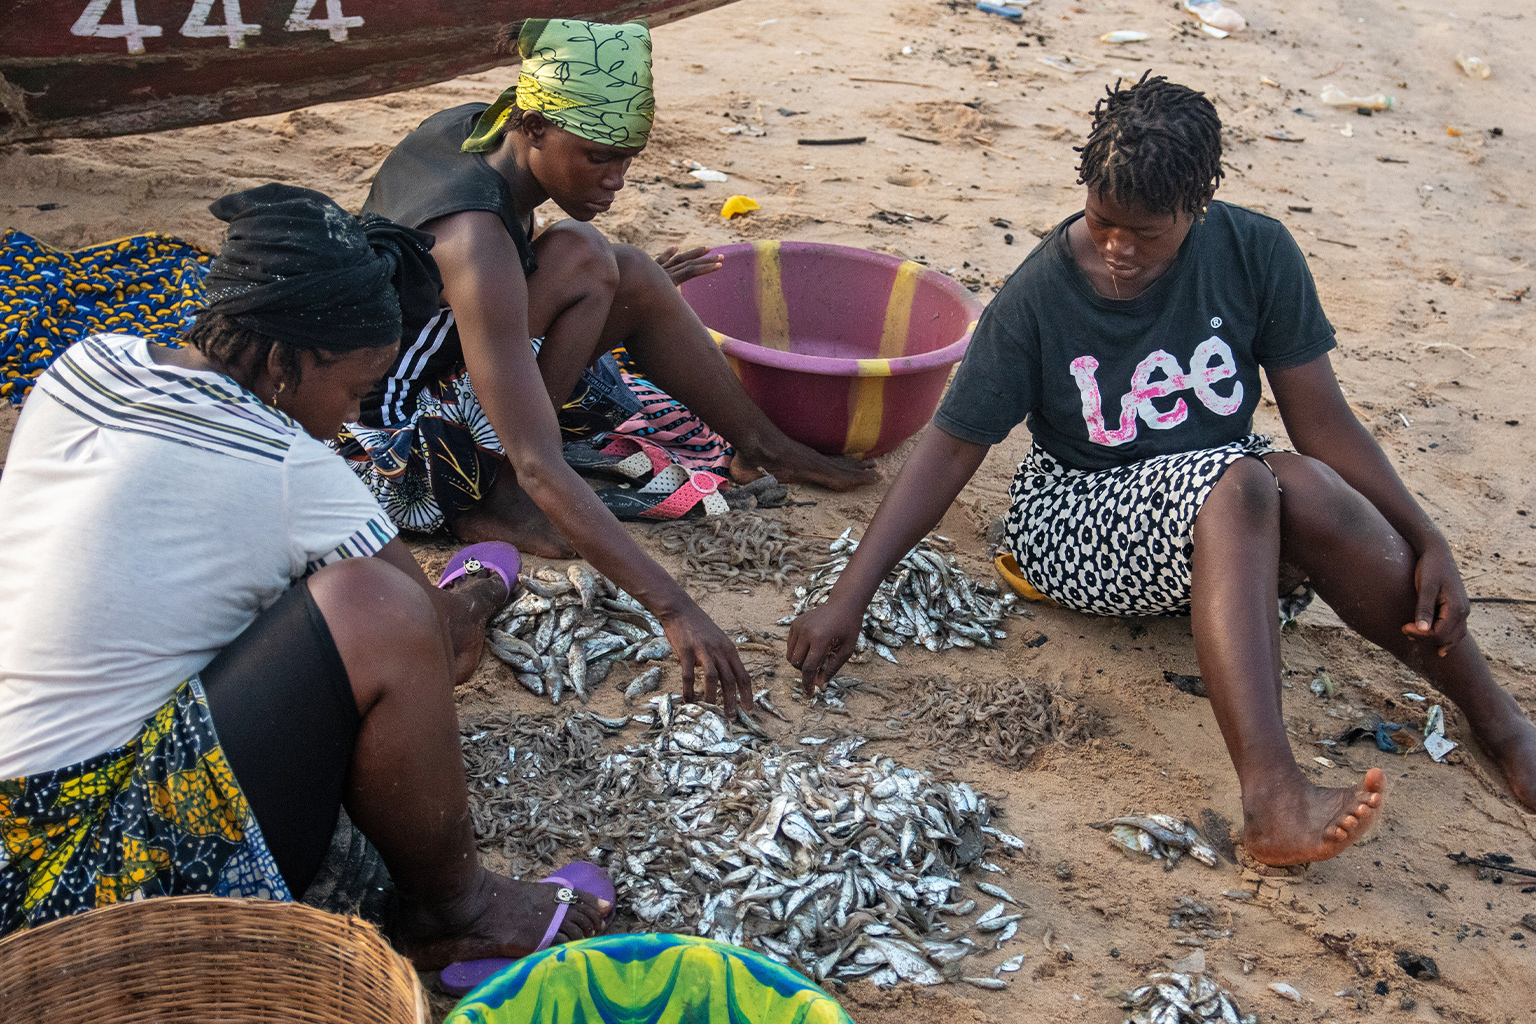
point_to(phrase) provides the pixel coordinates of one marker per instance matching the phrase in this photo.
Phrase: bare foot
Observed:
(798, 464)
(1298, 823)
(500, 917)
(1514, 751)
(510, 515)
(743, 472)
(481, 594)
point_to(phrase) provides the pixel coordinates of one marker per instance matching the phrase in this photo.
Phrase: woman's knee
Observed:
(378, 617)
(1246, 491)
(638, 269)
(1315, 500)
(577, 253)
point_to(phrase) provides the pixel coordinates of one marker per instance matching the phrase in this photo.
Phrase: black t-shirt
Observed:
(1106, 382)
(424, 177)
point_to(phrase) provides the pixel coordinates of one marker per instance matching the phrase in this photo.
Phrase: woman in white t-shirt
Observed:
(196, 672)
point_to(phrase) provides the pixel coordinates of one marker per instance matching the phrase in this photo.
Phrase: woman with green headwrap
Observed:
(463, 430)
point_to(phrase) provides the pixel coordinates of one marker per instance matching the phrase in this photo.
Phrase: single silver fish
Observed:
(993, 983)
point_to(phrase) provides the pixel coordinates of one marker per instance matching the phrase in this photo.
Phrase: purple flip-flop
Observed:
(583, 876)
(496, 555)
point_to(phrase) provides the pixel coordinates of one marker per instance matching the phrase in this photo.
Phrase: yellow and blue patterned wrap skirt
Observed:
(647, 979)
(161, 815)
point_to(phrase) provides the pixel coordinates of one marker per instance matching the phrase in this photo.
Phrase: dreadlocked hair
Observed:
(1155, 144)
(224, 341)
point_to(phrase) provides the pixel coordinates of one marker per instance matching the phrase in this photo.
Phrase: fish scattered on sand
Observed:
(926, 599)
(997, 890)
(1009, 966)
(1159, 836)
(566, 630)
(1175, 998)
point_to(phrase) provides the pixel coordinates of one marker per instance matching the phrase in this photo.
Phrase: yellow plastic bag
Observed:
(738, 205)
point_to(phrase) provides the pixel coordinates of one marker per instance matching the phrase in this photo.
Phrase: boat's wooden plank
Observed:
(91, 68)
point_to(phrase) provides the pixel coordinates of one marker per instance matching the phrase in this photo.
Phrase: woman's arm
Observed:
(823, 638)
(489, 296)
(1322, 426)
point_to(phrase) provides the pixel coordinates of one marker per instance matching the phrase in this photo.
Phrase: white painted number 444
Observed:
(234, 28)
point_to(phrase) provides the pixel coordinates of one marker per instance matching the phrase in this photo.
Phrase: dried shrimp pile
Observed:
(1008, 721)
(927, 599)
(527, 783)
(736, 546)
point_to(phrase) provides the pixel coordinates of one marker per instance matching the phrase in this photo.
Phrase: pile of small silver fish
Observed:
(1159, 836)
(1174, 998)
(842, 866)
(734, 547)
(927, 599)
(566, 631)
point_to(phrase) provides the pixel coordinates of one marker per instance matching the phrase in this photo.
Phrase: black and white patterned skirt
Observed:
(1118, 541)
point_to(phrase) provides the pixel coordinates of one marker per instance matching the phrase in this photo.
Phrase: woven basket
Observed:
(205, 959)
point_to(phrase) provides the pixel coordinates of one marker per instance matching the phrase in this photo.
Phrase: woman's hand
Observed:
(1443, 604)
(685, 266)
(702, 648)
(822, 639)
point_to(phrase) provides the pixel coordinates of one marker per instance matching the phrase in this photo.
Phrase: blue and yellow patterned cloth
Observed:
(149, 285)
(161, 815)
(647, 979)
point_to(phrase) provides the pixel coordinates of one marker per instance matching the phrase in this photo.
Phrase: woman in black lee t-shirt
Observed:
(1131, 342)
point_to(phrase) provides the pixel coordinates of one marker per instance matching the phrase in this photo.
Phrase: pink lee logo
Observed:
(1211, 362)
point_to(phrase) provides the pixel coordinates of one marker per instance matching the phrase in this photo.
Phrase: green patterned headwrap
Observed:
(592, 80)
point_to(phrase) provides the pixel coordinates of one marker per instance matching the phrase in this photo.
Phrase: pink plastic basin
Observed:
(846, 350)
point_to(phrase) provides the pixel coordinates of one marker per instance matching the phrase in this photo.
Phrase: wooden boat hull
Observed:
(93, 68)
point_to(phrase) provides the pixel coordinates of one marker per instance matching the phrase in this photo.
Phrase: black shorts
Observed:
(283, 708)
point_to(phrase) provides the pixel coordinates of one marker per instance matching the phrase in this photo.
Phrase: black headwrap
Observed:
(298, 268)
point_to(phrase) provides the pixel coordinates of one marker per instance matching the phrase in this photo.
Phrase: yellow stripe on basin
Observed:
(772, 310)
(866, 402)
(866, 395)
(898, 310)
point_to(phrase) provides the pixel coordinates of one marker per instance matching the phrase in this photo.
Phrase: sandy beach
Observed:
(1418, 228)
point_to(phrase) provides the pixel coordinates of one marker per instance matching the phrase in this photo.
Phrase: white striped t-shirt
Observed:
(148, 513)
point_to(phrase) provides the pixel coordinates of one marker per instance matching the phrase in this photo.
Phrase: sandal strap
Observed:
(645, 456)
(687, 490)
(554, 926)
